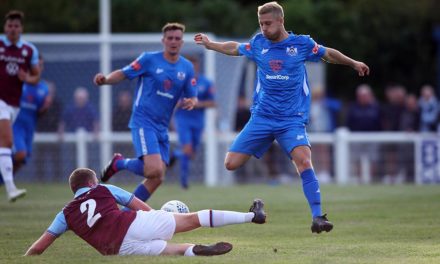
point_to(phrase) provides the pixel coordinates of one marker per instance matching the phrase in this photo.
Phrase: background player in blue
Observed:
(163, 77)
(281, 109)
(33, 103)
(190, 124)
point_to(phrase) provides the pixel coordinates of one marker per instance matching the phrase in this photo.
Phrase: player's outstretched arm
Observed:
(228, 47)
(41, 244)
(335, 56)
(136, 205)
(112, 78)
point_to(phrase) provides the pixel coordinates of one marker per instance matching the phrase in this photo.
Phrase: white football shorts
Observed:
(8, 112)
(148, 234)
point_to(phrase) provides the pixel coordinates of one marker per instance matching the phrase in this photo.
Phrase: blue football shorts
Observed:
(147, 141)
(260, 131)
(23, 140)
(188, 133)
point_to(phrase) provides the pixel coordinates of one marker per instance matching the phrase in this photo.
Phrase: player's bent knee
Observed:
(230, 165)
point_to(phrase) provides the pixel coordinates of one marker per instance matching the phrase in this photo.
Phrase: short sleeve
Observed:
(34, 59)
(190, 89)
(315, 51)
(137, 67)
(122, 197)
(246, 50)
(58, 226)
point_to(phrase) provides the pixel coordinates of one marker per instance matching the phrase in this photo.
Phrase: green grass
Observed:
(373, 224)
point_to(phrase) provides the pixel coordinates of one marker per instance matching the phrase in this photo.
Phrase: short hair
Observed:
(173, 26)
(15, 14)
(271, 7)
(80, 178)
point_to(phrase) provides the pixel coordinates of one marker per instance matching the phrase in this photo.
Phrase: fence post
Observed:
(81, 148)
(341, 157)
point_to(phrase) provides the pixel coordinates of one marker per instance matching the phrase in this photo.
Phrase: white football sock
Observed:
(189, 252)
(215, 218)
(6, 169)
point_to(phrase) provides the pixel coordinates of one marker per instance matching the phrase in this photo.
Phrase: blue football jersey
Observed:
(160, 85)
(205, 92)
(282, 89)
(32, 99)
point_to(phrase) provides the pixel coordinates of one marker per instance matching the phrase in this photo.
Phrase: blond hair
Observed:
(80, 178)
(173, 26)
(271, 7)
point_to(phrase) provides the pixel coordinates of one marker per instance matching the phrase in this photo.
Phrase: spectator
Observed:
(50, 165)
(364, 116)
(122, 113)
(80, 114)
(391, 117)
(429, 109)
(409, 122)
(322, 119)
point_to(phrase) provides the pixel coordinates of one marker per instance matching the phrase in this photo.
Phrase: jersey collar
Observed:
(8, 43)
(81, 191)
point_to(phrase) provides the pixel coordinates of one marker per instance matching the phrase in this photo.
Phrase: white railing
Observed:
(426, 161)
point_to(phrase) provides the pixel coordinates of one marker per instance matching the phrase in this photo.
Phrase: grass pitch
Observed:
(373, 224)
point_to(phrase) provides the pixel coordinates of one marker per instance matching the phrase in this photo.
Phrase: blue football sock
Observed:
(134, 165)
(184, 170)
(312, 191)
(141, 193)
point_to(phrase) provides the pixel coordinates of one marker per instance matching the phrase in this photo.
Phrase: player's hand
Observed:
(99, 79)
(201, 39)
(361, 68)
(22, 75)
(189, 103)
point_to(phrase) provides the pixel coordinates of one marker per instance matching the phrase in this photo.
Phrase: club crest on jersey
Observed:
(2, 49)
(276, 65)
(24, 52)
(292, 51)
(181, 76)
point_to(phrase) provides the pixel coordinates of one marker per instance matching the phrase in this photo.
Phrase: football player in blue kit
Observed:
(282, 101)
(163, 77)
(189, 124)
(35, 100)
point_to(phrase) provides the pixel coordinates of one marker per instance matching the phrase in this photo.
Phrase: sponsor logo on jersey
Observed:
(167, 95)
(159, 71)
(276, 65)
(12, 68)
(181, 76)
(167, 84)
(264, 51)
(247, 46)
(292, 51)
(315, 49)
(135, 65)
(277, 77)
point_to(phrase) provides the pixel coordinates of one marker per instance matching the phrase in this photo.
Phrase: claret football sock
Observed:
(134, 165)
(312, 191)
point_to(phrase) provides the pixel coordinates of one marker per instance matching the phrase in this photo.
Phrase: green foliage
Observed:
(373, 224)
(394, 37)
